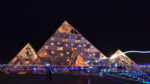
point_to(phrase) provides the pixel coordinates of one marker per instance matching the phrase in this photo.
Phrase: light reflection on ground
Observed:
(61, 79)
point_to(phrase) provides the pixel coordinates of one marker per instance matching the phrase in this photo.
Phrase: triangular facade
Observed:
(80, 61)
(63, 44)
(122, 58)
(76, 58)
(27, 56)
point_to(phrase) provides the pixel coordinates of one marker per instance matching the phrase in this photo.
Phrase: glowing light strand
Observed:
(136, 52)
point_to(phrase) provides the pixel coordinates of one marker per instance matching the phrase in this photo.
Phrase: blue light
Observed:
(137, 51)
(34, 69)
(47, 64)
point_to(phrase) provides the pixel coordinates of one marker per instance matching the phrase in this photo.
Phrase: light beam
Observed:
(134, 51)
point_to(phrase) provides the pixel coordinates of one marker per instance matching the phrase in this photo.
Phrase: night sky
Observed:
(109, 25)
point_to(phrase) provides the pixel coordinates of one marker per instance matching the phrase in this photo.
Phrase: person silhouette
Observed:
(50, 72)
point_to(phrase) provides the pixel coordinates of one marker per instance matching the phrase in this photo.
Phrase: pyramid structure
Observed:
(121, 58)
(27, 56)
(62, 47)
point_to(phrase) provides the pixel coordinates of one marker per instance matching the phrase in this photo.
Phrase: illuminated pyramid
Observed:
(62, 47)
(27, 56)
(122, 59)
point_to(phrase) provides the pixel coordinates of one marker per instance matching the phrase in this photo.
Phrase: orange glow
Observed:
(80, 61)
(66, 44)
(67, 53)
(88, 50)
(58, 43)
(76, 41)
(61, 54)
(64, 40)
(71, 44)
(59, 48)
(72, 49)
(52, 43)
(46, 47)
(67, 59)
(52, 38)
(52, 52)
(80, 46)
(84, 45)
(45, 53)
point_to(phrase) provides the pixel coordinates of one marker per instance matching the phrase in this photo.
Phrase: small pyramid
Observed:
(62, 44)
(102, 56)
(27, 56)
(122, 58)
(76, 58)
(80, 61)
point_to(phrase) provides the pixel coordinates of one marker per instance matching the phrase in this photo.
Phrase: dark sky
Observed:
(109, 25)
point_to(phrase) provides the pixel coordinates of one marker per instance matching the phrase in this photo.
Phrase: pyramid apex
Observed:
(65, 27)
(28, 44)
(65, 21)
(119, 51)
(116, 54)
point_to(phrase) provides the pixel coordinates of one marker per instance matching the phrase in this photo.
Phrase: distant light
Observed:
(90, 67)
(137, 52)
(47, 64)
(34, 69)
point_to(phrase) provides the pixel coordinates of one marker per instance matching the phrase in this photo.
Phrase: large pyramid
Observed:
(65, 45)
(122, 59)
(27, 56)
